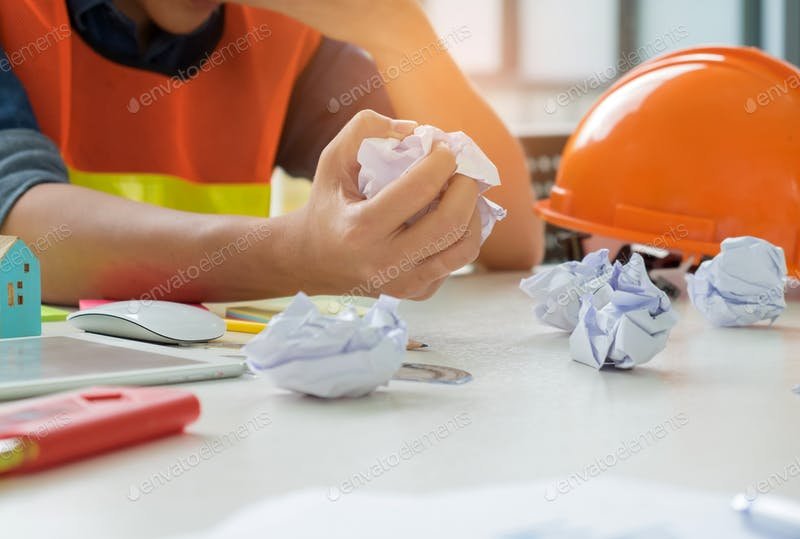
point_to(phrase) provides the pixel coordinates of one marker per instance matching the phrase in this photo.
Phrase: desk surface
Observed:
(531, 413)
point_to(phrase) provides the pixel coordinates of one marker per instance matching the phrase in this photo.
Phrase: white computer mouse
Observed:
(154, 321)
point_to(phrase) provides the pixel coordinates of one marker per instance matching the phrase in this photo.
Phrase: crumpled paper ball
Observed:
(328, 356)
(631, 328)
(383, 160)
(557, 292)
(742, 285)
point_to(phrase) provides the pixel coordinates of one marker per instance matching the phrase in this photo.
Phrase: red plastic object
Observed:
(42, 432)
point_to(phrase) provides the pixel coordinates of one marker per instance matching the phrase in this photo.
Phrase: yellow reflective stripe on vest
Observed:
(179, 194)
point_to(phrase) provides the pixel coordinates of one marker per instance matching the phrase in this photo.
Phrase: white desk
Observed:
(533, 412)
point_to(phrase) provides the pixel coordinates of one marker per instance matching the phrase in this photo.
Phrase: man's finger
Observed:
(434, 286)
(413, 191)
(439, 266)
(365, 124)
(448, 222)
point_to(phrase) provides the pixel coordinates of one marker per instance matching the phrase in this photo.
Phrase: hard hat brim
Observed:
(688, 247)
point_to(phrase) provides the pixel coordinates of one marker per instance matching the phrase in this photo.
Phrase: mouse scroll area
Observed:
(112, 326)
(162, 322)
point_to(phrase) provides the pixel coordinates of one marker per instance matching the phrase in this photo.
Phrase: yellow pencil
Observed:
(243, 326)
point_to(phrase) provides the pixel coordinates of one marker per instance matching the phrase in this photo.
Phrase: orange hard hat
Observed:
(686, 150)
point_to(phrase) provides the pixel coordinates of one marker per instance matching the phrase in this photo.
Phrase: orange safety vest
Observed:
(205, 144)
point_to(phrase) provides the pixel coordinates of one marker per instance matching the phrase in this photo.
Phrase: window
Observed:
(543, 62)
(564, 46)
(709, 21)
(26, 268)
(19, 300)
(482, 51)
(19, 284)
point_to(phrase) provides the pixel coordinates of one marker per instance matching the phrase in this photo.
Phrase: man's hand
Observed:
(363, 247)
(434, 92)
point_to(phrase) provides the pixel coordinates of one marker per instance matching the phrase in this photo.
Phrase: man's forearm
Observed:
(435, 91)
(92, 244)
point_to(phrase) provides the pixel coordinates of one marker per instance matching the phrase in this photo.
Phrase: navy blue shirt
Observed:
(28, 158)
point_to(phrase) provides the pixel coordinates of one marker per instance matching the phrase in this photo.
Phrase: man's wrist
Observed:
(241, 256)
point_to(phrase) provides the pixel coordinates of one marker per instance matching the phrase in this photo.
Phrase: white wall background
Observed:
(566, 41)
(707, 21)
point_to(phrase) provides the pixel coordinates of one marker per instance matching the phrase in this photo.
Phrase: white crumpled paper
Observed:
(331, 356)
(557, 292)
(742, 285)
(631, 328)
(383, 160)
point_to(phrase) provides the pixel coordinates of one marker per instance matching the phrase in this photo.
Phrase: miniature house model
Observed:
(20, 290)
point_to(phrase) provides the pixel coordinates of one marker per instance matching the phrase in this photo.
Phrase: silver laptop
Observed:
(37, 365)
